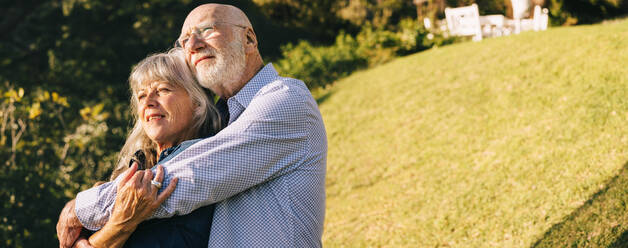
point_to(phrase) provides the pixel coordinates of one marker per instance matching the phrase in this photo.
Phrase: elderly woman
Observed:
(171, 113)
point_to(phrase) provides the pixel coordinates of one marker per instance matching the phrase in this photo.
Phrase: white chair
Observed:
(464, 21)
(427, 23)
(519, 11)
(537, 23)
(493, 25)
(541, 18)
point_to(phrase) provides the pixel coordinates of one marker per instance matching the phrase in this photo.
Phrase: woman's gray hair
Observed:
(170, 67)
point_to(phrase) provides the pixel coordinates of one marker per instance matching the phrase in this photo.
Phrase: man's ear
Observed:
(251, 41)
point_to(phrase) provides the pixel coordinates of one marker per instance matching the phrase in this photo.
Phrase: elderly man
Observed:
(265, 171)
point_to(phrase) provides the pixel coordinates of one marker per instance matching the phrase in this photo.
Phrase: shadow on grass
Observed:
(622, 241)
(323, 97)
(602, 221)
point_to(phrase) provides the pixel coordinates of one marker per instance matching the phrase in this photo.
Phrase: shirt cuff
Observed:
(93, 206)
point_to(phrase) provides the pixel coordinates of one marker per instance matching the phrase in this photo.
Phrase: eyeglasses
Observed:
(201, 33)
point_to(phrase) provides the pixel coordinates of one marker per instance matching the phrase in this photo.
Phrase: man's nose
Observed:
(195, 43)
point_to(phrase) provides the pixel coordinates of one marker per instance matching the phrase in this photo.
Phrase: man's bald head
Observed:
(221, 47)
(212, 12)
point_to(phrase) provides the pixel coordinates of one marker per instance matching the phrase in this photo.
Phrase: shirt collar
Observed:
(250, 89)
(170, 150)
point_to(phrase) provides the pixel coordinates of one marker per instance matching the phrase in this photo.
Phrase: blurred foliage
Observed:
(562, 12)
(379, 13)
(47, 159)
(319, 66)
(570, 12)
(316, 18)
(64, 113)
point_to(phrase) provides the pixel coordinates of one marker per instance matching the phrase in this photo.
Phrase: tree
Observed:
(64, 98)
(586, 11)
(312, 20)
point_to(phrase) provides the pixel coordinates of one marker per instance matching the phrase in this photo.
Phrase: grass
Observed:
(599, 222)
(516, 141)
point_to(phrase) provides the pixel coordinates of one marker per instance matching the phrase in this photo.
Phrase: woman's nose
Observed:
(151, 99)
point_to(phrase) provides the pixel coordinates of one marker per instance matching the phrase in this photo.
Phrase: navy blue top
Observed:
(191, 230)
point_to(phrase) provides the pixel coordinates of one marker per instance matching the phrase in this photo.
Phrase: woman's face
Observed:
(166, 113)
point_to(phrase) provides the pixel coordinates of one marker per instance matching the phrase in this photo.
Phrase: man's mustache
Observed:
(203, 54)
(206, 52)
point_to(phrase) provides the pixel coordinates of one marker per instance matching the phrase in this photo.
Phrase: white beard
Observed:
(228, 67)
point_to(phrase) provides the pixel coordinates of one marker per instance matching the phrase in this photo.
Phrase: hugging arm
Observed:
(136, 200)
(268, 140)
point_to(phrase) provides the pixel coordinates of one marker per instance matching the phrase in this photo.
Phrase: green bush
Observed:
(318, 66)
(47, 158)
(377, 45)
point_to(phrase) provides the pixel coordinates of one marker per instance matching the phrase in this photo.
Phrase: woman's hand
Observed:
(136, 197)
(82, 242)
(136, 200)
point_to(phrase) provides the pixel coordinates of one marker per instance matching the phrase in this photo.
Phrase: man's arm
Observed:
(268, 140)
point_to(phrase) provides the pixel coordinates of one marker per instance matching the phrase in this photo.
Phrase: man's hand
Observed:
(69, 227)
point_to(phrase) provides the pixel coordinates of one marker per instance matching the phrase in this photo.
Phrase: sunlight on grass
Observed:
(476, 144)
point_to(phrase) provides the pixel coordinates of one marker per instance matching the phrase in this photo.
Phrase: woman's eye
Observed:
(141, 96)
(164, 90)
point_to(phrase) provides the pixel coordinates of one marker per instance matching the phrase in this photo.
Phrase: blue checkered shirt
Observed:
(265, 171)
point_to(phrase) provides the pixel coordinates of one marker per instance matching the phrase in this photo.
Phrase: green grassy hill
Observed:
(516, 141)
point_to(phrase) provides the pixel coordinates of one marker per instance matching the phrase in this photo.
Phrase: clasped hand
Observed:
(136, 200)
